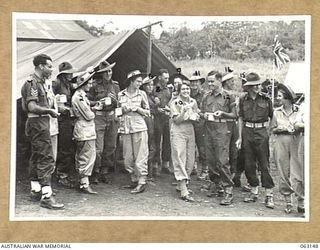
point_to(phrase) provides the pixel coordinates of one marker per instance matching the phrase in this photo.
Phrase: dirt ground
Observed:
(160, 199)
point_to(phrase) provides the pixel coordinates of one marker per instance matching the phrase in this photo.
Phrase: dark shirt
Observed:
(258, 110)
(33, 90)
(63, 88)
(152, 103)
(164, 94)
(198, 97)
(213, 102)
(102, 88)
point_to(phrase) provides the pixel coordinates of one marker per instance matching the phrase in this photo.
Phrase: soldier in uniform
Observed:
(84, 132)
(255, 110)
(227, 83)
(133, 128)
(104, 92)
(184, 110)
(217, 110)
(35, 103)
(161, 120)
(147, 86)
(286, 144)
(63, 89)
(196, 93)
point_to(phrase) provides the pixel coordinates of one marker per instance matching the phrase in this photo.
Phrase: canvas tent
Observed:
(50, 30)
(128, 49)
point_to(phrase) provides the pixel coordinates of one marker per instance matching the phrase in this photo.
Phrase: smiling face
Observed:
(184, 91)
(214, 83)
(46, 69)
(148, 87)
(195, 85)
(136, 83)
(254, 89)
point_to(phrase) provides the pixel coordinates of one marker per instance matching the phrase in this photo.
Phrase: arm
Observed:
(83, 108)
(240, 128)
(177, 117)
(33, 107)
(144, 110)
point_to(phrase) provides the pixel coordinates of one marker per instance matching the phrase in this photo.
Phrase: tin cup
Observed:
(193, 117)
(118, 112)
(63, 98)
(210, 116)
(107, 101)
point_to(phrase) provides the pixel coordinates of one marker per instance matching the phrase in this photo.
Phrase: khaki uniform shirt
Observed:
(84, 128)
(133, 122)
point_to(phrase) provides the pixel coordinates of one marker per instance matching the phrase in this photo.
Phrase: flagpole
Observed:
(272, 92)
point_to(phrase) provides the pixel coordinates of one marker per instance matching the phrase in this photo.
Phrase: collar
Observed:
(37, 78)
(125, 92)
(294, 109)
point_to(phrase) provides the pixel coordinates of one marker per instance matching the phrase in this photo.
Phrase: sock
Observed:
(35, 186)
(46, 191)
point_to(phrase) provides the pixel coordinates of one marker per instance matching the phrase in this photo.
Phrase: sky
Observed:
(118, 23)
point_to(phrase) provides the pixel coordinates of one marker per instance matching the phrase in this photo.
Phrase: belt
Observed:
(31, 115)
(256, 124)
(221, 120)
(99, 112)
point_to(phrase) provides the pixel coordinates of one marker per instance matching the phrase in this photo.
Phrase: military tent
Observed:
(128, 49)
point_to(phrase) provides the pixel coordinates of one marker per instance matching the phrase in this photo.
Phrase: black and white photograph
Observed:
(132, 117)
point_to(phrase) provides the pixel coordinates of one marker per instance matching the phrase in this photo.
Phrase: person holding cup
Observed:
(103, 96)
(217, 110)
(63, 88)
(133, 129)
(286, 144)
(183, 112)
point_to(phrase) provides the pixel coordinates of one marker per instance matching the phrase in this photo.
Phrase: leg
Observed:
(282, 159)
(100, 126)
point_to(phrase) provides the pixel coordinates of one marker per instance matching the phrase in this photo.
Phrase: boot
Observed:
(51, 203)
(87, 190)
(269, 202)
(253, 195)
(228, 197)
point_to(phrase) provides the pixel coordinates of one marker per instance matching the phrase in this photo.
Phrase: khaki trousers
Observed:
(135, 154)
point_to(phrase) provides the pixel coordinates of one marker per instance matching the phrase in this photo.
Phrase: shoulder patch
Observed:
(34, 92)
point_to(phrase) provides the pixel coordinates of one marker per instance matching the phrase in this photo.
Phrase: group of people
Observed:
(165, 123)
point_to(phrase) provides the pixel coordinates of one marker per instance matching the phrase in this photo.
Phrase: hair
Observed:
(41, 59)
(162, 71)
(218, 76)
(180, 85)
(134, 78)
(286, 95)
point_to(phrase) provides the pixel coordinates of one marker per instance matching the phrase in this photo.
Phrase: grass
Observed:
(263, 68)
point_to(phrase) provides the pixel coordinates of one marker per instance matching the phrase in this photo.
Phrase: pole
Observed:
(272, 97)
(149, 52)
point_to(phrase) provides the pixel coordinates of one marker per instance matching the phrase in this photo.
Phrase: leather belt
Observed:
(99, 112)
(221, 120)
(31, 115)
(256, 124)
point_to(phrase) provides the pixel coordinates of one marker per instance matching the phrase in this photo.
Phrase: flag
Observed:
(280, 57)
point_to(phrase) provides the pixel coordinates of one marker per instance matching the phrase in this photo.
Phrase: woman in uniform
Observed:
(183, 111)
(286, 143)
